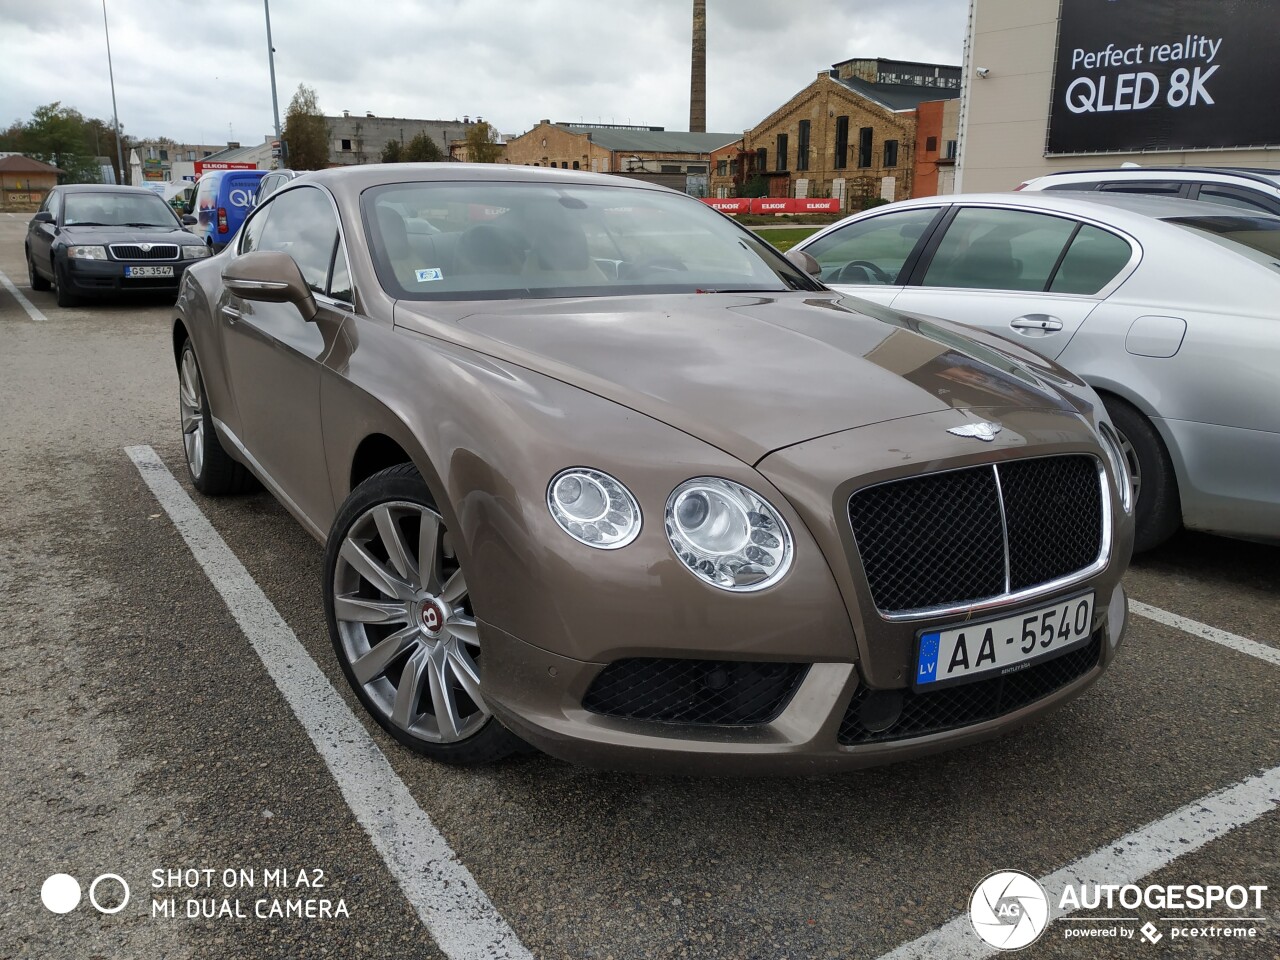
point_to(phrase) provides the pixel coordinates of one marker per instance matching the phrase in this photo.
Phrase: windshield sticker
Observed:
(432, 273)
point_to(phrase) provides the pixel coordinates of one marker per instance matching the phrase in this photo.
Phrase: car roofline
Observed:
(1254, 174)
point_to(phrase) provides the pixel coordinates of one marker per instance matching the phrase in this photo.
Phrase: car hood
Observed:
(85, 235)
(748, 373)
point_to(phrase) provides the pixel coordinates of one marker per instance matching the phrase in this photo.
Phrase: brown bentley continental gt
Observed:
(598, 470)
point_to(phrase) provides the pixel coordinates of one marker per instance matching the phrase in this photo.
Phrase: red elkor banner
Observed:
(728, 204)
(773, 205)
(203, 166)
(818, 205)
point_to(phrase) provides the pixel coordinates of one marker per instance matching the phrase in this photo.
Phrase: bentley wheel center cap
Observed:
(432, 616)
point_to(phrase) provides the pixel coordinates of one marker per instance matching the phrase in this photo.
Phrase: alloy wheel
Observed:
(191, 406)
(1131, 458)
(405, 622)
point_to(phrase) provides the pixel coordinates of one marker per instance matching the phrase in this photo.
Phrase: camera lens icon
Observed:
(61, 893)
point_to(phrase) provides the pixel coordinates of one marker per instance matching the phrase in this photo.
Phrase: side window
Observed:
(872, 251)
(340, 279)
(1159, 188)
(992, 249)
(1237, 198)
(301, 223)
(54, 205)
(1093, 260)
(251, 235)
(1082, 186)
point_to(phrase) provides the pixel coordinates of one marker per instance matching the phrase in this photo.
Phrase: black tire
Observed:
(212, 470)
(485, 740)
(1158, 511)
(38, 282)
(66, 295)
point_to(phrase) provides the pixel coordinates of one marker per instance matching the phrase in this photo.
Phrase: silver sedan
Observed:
(1170, 309)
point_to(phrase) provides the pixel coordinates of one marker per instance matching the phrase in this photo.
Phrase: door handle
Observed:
(231, 313)
(1036, 324)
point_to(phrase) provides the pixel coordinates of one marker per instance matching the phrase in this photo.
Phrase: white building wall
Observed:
(1005, 116)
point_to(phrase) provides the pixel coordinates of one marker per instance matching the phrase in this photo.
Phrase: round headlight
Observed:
(727, 534)
(593, 507)
(1113, 446)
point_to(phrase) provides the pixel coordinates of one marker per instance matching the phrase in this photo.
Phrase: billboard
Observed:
(1135, 75)
(204, 165)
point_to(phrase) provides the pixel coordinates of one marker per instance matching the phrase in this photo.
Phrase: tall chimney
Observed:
(698, 75)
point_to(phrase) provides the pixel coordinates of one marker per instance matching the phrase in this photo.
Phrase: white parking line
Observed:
(26, 304)
(1194, 627)
(1125, 861)
(458, 914)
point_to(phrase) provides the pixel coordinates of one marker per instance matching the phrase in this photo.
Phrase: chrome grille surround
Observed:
(135, 251)
(987, 485)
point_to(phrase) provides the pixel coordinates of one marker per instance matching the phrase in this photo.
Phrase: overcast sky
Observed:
(198, 72)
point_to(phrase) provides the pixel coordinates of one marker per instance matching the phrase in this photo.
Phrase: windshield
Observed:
(116, 210)
(1257, 238)
(487, 240)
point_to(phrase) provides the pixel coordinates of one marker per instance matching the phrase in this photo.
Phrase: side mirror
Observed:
(44, 216)
(272, 277)
(805, 262)
(188, 220)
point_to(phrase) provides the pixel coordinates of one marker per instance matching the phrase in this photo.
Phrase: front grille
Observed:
(133, 251)
(942, 539)
(708, 692)
(970, 703)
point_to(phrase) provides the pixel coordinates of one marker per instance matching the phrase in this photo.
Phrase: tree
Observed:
(306, 135)
(65, 138)
(482, 143)
(422, 149)
(391, 153)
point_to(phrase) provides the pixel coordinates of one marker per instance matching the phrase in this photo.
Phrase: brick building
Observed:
(649, 153)
(850, 134)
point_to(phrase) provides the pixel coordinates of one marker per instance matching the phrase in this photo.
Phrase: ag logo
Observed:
(1009, 910)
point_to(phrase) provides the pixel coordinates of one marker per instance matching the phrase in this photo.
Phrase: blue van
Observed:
(222, 200)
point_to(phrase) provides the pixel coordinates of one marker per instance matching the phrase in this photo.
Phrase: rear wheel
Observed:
(210, 467)
(1157, 507)
(401, 622)
(37, 281)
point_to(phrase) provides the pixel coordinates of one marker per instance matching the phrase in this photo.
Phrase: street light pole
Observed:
(115, 116)
(275, 103)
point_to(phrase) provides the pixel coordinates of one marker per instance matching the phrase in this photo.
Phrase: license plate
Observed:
(972, 651)
(148, 271)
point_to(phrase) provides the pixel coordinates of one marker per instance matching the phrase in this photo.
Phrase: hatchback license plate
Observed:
(972, 651)
(148, 271)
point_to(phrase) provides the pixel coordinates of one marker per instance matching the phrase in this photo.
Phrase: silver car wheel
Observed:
(1131, 458)
(191, 405)
(405, 623)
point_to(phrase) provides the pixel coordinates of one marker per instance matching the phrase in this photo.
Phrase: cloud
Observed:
(200, 77)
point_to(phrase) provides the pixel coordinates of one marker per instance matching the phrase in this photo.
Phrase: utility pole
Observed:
(115, 116)
(275, 103)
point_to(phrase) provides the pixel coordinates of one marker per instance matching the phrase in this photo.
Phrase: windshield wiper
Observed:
(139, 223)
(85, 223)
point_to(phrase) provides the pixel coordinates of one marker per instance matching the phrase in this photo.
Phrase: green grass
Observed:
(786, 238)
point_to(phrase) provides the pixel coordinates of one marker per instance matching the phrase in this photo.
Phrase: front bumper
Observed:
(107, 277)
(539, 695)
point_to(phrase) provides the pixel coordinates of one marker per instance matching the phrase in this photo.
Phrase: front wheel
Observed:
(1157, 506)
(66, 295)
(401, 622)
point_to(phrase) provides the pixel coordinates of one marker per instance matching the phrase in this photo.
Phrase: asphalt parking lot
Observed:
(143, 731)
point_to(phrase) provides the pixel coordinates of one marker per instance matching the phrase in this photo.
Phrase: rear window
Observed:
(1257, 238)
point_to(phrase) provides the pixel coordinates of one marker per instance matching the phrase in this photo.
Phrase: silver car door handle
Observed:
(231, 313)
(1037, 323)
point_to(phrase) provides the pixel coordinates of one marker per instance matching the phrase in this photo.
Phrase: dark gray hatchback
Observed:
(92, 240)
